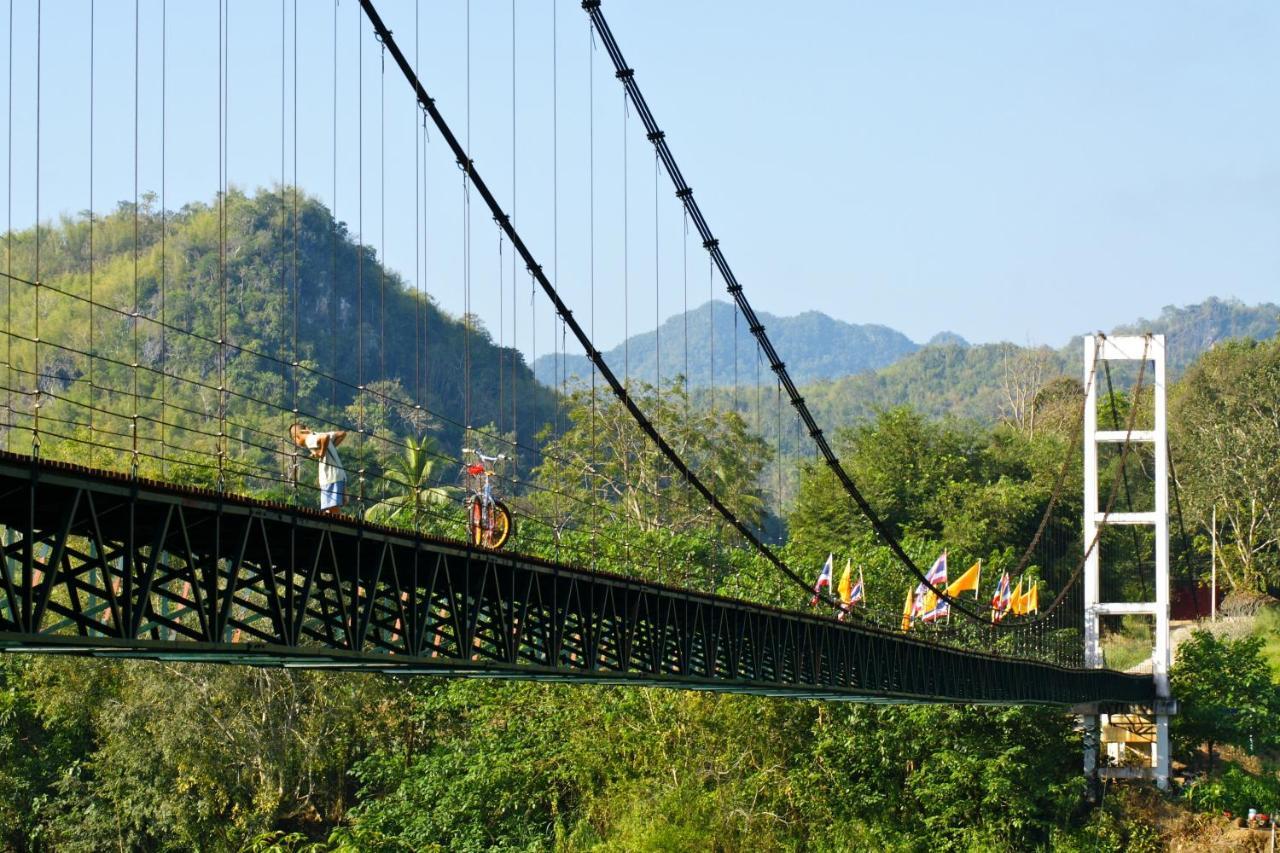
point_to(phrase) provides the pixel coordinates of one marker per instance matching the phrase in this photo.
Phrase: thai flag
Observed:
(1001, 599)
(940, 609)
(824, 580)
(937, 575)
(859, 591)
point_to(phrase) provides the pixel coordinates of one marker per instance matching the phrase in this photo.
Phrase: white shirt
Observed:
(331, 470)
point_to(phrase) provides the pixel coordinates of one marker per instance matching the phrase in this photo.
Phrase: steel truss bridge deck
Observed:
(106, 565)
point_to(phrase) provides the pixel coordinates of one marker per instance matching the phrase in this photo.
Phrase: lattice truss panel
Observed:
(103, 564)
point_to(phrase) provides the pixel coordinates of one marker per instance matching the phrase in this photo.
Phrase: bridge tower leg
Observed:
(1151, 348)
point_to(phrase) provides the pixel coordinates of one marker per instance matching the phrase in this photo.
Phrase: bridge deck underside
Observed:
(99, 564)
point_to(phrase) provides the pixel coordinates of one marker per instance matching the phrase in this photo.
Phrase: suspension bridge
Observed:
(152, 508)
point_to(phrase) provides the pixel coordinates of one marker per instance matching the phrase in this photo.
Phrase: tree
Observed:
(414, 488)
(1226, 436)
(1225, 694)
(605, 463)
(1023, 371)
(901, 462)
(181, 756)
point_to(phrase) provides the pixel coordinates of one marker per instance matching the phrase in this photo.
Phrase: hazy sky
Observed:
(1004, 170)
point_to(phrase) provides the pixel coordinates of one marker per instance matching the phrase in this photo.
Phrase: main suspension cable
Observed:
(685, 193)
(562, 309)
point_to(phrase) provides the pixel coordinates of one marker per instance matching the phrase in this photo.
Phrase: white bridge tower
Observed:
(1122, 730)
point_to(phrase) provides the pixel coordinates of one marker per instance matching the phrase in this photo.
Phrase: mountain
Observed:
(947, 339)
(969, 381)
(848, 372)
(815, 347)
(1192, 329)
(352, 320)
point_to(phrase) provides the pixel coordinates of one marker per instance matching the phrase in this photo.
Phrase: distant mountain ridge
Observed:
(815, 346)
(968, 381)
(1192, 329)
(874, 366)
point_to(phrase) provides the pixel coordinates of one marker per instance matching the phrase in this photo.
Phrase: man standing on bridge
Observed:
(332, 476)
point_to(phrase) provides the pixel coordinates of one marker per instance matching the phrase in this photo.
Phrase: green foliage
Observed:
(185, 757)
(603, 458)
(1130, 645)
(1266, 627)
(38, 746)
(901, 463)
(166, 757)
(1226, 694)
(1195, 329)
(1225, 420)
(1121, 825)
(1235, 790)
(357, 323)
(412, 499)
(938, 485)
(937, 381)
(514, 767)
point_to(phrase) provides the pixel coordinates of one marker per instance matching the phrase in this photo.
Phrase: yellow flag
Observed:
(1016, 604)
(967, 581)
(906, 611)
(846, 583)
(1033, 600)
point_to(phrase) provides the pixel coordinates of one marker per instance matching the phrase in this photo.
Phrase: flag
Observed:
(1031, 598)
(967, 581)
(846, 584)
(1000, 599)
(1002, 587)
(824, 580)
(937, 574)
(1016, 598)
(908, 609)
(935, 608)
(926, 599)
(858, 594)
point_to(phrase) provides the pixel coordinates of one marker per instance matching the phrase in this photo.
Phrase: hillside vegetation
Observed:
(292, 286)
(132, 755)
(849, 372)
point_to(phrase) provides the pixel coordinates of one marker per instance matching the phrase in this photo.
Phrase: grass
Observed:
(1122, 652)
(1267, 626)
(1128, 646)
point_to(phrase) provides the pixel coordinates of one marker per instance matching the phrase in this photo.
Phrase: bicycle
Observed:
(489, 522)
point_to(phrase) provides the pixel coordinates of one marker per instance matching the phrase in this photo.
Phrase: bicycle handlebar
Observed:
(482, 457)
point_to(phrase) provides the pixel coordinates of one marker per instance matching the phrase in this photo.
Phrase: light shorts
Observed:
(333, 494)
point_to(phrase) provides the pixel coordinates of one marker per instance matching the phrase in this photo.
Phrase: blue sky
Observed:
(1007, 171)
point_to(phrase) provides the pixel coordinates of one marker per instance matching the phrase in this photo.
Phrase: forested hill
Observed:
(816, 347)
(1194, 329)
(876, 366)
(356, 320)
(973, 381)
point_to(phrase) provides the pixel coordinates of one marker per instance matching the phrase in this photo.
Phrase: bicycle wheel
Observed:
(475, 523)
(501, 526)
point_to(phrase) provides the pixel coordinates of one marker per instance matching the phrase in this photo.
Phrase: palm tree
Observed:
(409, 476)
